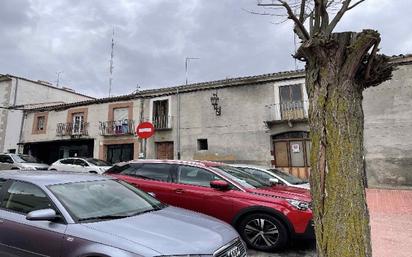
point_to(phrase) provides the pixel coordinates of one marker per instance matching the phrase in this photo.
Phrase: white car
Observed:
(89, 165)
(274, 175)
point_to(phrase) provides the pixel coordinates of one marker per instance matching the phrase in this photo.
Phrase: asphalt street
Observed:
(298, 249)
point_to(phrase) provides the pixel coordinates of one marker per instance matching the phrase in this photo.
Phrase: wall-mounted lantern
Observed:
(215, 103)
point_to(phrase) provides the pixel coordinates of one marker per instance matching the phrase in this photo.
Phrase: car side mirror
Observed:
(43, 214)
(274, 181)
(219, 185)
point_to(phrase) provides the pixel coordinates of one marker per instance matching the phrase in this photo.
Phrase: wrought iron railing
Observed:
(162, 122)
(116, 128)
(287, 111)
(72, 129)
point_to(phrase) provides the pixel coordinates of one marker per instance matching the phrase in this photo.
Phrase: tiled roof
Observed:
(230, 82)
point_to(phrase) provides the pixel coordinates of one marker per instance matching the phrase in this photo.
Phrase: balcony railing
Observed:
(116, 128)
(72, 129)
(162, 122)
(288, 111)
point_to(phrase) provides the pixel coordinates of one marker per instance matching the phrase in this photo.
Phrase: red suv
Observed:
(265, 216)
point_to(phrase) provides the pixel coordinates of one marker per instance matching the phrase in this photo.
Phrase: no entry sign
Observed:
(145, 130)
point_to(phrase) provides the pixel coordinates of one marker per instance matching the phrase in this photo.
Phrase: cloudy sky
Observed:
(40, 38)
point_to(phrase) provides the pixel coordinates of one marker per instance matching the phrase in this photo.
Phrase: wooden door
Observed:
(164, 150)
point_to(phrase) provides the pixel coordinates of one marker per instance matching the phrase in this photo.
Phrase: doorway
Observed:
(164, 150)
(119, 153)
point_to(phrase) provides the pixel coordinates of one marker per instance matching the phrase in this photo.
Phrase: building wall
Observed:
(388, 130)
(23, 92)
(5, 91)
(95, 113)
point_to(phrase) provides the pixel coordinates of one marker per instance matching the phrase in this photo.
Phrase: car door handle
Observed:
(179, 191)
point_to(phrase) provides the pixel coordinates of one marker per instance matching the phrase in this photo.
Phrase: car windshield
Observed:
(242, 177)
(289, 178)
(103, 199)
(98, 162)
(25, 158)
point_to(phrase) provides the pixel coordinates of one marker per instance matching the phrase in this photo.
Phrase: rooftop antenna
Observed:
(111, 65)
(58, 78)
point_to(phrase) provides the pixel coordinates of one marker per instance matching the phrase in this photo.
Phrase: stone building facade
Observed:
(254, 120)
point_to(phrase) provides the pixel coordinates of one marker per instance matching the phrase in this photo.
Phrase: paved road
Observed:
(301, 249)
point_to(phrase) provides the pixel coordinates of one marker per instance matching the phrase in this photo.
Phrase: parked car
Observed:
(266, 217)
(89, 165)
(74, 215)
(274, 175)
(11, 161)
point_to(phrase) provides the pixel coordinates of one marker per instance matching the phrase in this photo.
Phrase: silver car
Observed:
(85, 215)
(274, 175)
(11, 161)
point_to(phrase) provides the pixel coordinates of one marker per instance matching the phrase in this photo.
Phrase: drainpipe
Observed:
(21, 133)
(178, 123)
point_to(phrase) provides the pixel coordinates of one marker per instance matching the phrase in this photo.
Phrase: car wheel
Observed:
(93, 172)
(53, 169)
(263, 232)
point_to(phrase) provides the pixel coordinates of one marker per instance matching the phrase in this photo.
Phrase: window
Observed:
(153, 171)
(67, 161)
(2, 182)
(12, 150)
(41, 120)
(202, 144)
(39, 123)
(195, 176)
(24, 197)
(291, 149)
(257, 173)
(290, 93)
(291, 102)
(78, 123)
(6, 159)
(161, 114)
(80, 163)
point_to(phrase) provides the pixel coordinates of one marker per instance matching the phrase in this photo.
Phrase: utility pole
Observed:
(178, 104)
(111, 65)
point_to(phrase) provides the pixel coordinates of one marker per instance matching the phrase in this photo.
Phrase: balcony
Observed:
(162, 122)
(77, 129)
(286, 112)
(116, 128)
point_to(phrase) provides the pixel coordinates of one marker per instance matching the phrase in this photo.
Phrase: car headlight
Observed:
(300, 205)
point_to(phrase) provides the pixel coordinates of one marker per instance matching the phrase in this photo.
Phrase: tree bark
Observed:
(334, 70)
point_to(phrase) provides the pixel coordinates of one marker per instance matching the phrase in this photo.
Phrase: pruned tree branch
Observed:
(355, 4)
(338, 17)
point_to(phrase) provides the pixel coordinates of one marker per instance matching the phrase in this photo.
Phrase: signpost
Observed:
(145, 130)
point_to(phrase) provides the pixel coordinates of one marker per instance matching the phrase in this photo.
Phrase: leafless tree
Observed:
(339, 66)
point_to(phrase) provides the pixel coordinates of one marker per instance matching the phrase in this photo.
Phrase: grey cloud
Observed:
(40, 38)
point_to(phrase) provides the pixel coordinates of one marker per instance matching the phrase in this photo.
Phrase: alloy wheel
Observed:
(261, 233)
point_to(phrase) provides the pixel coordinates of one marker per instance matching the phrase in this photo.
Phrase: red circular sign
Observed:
(145, 130)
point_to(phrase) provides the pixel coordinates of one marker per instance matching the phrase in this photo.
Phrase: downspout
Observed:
(21, 134)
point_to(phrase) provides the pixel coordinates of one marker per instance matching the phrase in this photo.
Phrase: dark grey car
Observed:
(84, 215)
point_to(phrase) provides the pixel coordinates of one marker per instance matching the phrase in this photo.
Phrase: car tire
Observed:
(263, 232)
(93, 172)
(53, 169)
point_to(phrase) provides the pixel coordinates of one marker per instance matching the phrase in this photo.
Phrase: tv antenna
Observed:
(111, 65)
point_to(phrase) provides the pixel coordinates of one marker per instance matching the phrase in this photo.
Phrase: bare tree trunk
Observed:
(336, 123)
